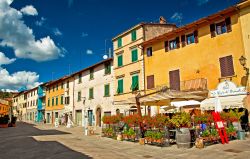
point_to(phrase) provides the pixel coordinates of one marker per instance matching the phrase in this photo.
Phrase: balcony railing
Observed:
(198, 84)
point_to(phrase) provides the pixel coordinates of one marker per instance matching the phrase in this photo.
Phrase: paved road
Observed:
(18, 143)
(43, 141)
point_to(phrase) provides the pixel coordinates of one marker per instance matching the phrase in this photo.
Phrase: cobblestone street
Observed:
(45, 141)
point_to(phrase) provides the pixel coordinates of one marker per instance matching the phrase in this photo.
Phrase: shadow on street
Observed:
(17, 143)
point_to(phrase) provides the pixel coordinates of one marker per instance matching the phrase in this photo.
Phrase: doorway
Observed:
(78, 117)
(98, 117)
(90, 117)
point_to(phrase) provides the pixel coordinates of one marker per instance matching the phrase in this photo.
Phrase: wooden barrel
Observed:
(183, 138)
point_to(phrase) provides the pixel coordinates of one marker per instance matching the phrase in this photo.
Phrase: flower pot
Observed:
(3, 125)
(142, 141)
(119, 137)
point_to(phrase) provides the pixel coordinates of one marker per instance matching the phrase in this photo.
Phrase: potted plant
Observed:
(231, 132)
(131, 134)
(214, 135)
(148, 136)
(205, 135)
(4, 121)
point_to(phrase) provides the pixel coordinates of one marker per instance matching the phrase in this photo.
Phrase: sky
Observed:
(42, 40)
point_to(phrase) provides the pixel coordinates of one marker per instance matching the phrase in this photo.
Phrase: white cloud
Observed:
(177, 16)
(18, 79)
(29, 10)
(57, 32)
(15, 34)
(89, 52)
(40, 22)
(201, 2)
(5, 60)
(84, 35)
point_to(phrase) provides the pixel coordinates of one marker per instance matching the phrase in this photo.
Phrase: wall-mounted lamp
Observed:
(243, 63)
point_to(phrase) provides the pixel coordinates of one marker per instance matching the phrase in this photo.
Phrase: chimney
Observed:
(162, 20)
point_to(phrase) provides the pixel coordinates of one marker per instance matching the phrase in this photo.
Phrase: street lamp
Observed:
(243, 63)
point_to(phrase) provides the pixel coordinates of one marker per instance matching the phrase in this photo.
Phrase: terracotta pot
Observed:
(3, 125)
(142, 141)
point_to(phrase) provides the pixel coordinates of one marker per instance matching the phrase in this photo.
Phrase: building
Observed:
(31, 103)
(19, 106)
(5, 107)
(202, 55)
(58, 99)
(129, 62)
(41, 92)
(93, 93)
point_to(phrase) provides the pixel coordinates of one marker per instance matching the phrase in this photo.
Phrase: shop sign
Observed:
(228, 88)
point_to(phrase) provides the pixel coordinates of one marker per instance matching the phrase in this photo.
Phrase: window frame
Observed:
(120, 60)
(105, 87)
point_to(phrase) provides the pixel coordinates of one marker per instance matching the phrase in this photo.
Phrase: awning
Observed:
(165, 98)
(227, 102)
(185, 103)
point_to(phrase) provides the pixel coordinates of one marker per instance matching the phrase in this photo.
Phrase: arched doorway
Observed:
(98, 117)
(117, 111)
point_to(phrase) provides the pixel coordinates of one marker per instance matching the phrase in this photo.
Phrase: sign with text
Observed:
(228, 88)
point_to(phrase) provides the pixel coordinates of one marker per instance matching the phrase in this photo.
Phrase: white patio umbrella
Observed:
(217, 104)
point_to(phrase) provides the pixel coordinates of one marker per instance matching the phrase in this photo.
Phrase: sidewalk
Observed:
(99, 147)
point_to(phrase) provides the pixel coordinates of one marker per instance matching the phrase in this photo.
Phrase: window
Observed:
(221, 28)
(106, 90)
(149, 51)
(67, 84)
(174, 78)
(53, 88)
(135, 83)
(133, 35)
(62, 99)
(134, 54)
(79, 96)
(120, 86)
(107, 113)
(56, 100)
(107, 68)
(119, 42)
(91, 74)
(53, 101)
(91, 93)
(150, 82)
(172, 44)
(57, 87)
(62, 85)
(120, 60)
(190, 38)
(80, 78)
(226, 66)
(67, 100)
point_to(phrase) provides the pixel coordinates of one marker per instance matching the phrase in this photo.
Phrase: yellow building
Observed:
(5, 107)
(128, 62)
(200, 55)
(56, 99)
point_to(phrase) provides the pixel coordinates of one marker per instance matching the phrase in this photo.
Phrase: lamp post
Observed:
(243, 63)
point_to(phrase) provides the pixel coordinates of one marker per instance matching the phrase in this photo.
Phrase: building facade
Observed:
(31, 104)
(93, 94)
(199, 55)
(5, 107)
(41, 92)
(129, 62)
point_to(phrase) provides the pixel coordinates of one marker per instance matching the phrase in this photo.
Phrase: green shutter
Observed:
(48, 103)
(134, 55)
(120, 86)
(52, 101)
(120, 60)
(135, 83)
(61, 100)
(91, 74)
(56, 100)
(107, 68)
(106, 90)
(119, 42)
(133, 35)
(91, 93)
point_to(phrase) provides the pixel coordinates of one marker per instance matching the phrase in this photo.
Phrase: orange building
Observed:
(5, 107)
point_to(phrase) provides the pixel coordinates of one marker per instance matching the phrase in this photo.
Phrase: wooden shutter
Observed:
(228, 24)
(178, 42)
(196, 36)
(120, 86)
(134, 55)
(174, 78)
(150, 82)
(166, 46)
(212, 30)
(226, 66)
(183, 40)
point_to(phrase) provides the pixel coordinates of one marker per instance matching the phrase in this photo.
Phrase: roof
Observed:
(92, 66)
(58, 80)
(193, 25)
(139, 25)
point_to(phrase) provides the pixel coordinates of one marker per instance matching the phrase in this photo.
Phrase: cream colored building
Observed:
(93, 94)
(129, 63)
(31, 103)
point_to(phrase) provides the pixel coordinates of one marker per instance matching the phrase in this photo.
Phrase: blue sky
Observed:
(50, 35)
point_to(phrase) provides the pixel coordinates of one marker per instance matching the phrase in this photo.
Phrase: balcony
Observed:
(41, 94)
